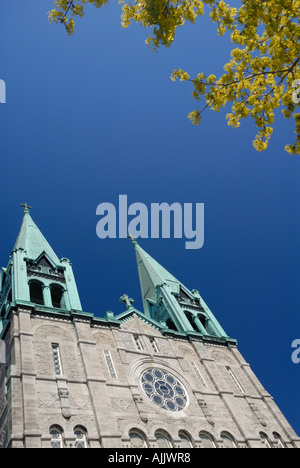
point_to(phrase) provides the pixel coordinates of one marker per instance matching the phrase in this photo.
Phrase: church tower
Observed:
(167, 376)
(36, 275)
(169, 302)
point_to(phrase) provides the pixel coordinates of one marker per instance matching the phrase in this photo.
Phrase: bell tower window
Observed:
(36, 292)
(170, 324)
(191, 320)
(202, 319)
(57, 294)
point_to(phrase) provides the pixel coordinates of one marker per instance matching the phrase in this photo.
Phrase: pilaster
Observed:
(19, 276)
(73, 296)
(107, 427)
(27, 381)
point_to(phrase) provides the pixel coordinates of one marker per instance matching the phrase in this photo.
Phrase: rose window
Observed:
(164, 389)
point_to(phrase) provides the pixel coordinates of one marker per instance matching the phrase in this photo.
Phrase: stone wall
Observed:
(99, 387)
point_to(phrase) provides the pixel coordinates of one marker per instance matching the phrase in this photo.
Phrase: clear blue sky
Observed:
(96, 115)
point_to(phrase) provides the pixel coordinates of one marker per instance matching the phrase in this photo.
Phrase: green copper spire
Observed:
(32, 241)
(151, 275)
(167, 301)
(37, 275)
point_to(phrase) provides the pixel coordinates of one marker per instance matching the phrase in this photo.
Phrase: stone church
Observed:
(168, 376)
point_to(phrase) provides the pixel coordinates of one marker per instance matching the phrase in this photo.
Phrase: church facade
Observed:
(168, 376)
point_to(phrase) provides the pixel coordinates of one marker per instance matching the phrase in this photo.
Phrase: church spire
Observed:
(151, 275)
(35, 276)
(168, 301)
(31, 240)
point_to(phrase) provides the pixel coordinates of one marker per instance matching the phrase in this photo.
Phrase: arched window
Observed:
(228, 440)
(137, 439)
(265, 440)
(36, 292)
(171, 325)
(207, 440)
(202, 319)
(80, 437)
(191, 320)
(186, 441)
(56, 434)
(279, 440)
(57, 296)
(163, 439)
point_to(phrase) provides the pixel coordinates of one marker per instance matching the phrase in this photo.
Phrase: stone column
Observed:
(47, 296)
(199, 325)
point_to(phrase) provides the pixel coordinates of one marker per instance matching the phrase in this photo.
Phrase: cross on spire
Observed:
(130, 236)
(26, 207)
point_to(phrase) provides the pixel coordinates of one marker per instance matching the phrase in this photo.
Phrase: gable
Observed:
(184, 296)
(136, 323)
(45, 268)
(44, 261)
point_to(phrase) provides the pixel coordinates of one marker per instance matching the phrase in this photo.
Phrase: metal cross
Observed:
(128, 301)
(131, 237)
(26, 207)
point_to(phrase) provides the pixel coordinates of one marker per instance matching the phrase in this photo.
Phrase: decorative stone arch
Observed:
(138, 438)
(187, 441)
(131, 427)
(57, 436)
(56, 330)
(104, 338)
(163, 438)
(230, 432)
(186, 349)
(141, 364)
(222, 357)
(81, 436)
(207, 439)
(230, 438)
(139, 368)
(265, 439)
(44, 336)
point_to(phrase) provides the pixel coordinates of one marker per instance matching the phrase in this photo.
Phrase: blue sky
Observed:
(96, 115)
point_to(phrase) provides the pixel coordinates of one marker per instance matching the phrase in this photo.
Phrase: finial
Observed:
(132, 238)
(128, 301)
(26, 207)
